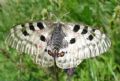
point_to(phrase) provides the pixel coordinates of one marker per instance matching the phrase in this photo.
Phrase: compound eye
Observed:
(61, 54)
(50, 53)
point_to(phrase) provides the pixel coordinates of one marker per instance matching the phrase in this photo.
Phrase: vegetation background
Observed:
(101, 14)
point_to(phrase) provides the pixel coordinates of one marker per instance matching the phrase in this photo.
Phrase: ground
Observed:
(101, 14)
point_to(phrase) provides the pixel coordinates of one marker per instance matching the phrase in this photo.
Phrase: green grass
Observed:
(101, 14)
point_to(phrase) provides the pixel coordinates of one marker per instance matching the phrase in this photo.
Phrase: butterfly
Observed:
(65, 44)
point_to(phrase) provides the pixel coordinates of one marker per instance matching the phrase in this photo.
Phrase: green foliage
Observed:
(103, 14)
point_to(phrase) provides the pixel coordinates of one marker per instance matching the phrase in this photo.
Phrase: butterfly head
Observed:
(55, 53)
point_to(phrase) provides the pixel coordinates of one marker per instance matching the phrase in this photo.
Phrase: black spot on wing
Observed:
(22, 25)
(40, 25)
(72, 41)
(85, 30)
(25, 33)
(31, 27)
(42, 38)
(90, 37)
(76, 28)
(45, 50)
(93, 30)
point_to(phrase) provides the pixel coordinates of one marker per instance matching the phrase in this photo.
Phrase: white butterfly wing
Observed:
(31, 38)
(84, 42)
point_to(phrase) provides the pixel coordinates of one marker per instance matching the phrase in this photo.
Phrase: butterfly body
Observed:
(66, 44)
(56, 40)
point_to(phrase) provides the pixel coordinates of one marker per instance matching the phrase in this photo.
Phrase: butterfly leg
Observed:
(70, 72)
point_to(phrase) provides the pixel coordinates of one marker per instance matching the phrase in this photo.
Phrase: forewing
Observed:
(31, 38)
(83, 42)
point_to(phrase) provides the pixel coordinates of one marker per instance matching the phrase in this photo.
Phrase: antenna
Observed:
(58, 19)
